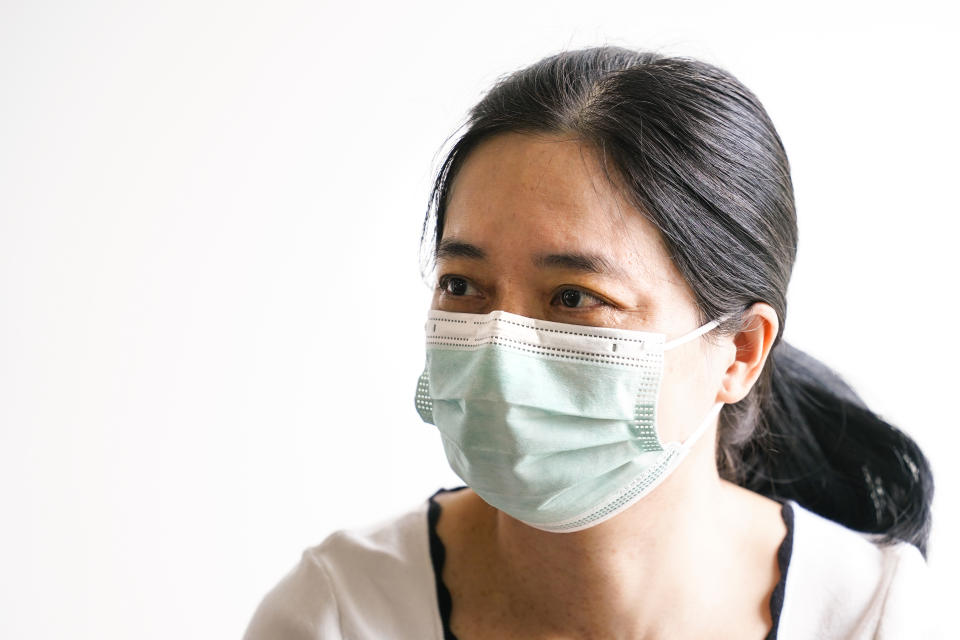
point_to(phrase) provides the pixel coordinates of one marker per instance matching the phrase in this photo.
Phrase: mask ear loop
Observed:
(715, 409)
(699, 431)
(693, 335)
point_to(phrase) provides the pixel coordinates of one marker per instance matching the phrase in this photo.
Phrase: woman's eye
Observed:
(577, 299)
(457, 286)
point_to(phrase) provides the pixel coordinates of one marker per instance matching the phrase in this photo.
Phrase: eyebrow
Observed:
(458, 249)
(582, 262)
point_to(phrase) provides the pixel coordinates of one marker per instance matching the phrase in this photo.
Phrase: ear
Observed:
(753, 345)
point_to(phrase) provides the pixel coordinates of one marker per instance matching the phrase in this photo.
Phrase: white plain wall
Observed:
(210, 307)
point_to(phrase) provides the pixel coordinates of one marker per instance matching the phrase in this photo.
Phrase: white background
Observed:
(210, 301)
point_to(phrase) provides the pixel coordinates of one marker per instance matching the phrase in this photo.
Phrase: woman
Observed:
(644, 458)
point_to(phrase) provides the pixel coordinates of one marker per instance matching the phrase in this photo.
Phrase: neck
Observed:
(617, 578)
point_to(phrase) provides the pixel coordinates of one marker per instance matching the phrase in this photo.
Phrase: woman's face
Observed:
(535, 228)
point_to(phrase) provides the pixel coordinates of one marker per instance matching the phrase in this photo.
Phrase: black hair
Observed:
(695, 151)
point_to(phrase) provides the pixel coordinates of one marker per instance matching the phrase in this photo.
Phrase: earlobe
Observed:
(753, 344)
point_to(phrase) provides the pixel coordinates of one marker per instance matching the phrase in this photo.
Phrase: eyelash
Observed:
(444, 281)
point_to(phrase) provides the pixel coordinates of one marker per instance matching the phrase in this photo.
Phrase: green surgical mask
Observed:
(554, 424)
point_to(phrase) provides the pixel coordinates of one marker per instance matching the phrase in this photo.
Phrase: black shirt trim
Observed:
(784, 553)
(438, 555)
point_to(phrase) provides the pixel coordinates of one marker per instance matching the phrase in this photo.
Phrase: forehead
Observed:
(523, 193)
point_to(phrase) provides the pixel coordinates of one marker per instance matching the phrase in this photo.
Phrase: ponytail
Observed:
(817, 443)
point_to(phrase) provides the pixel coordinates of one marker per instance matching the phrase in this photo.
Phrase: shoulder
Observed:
(363, 583)
(842, 583)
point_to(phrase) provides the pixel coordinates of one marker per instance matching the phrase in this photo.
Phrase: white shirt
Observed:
(379, 583)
